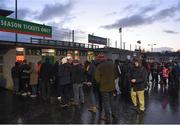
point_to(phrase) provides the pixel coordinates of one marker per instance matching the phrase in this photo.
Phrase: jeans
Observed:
(92, 96)
(109, 106)
(34, 89)
(16, 84)
(78, 93)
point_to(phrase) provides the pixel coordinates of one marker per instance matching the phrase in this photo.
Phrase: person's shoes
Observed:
(134, 108)
(24, 94)
(93, 109)
(59, 98)
(18, 93)
(82, 103)
(118, 92)
(114, 119)
(114, 94)
(113, 116)
(140, 111)
(103, 118)
(71, 99)
(64, 105)
(74, 103)
(29, 93)
(33, 96)
(99, 108)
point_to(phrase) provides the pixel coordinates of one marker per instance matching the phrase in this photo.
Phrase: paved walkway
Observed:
(162, 106)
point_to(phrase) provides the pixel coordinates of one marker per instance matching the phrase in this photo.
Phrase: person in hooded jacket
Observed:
(138, 83)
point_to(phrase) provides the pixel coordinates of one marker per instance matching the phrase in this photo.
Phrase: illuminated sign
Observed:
(19, 58)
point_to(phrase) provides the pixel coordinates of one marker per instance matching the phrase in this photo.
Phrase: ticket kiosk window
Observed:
(48, 53)
(20, 52)
(19, 58)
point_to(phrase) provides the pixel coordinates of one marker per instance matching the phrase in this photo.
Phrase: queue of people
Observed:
(104, 79)
(25, 78)
(164, 73)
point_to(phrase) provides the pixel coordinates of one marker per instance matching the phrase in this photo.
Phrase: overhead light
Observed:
(51, 50)
(48, 50)
(76, 52)
(19, 49)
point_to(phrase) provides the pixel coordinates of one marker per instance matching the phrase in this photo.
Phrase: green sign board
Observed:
(24, 27)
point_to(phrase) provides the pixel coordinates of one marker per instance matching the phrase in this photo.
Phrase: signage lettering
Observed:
(24, 27)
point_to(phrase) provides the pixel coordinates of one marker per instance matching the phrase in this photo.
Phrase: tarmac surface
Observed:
(162, 107)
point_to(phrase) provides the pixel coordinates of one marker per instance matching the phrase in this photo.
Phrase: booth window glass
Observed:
(33, 52)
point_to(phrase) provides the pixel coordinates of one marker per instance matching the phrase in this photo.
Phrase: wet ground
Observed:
(162, 106)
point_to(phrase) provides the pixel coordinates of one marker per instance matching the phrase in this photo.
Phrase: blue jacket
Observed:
(176, 70)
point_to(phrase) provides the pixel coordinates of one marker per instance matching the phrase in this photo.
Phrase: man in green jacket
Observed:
(105, 76)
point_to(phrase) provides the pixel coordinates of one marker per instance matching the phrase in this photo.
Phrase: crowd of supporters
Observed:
(104, 79)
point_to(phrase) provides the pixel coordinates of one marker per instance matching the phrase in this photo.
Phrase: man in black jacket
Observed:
(25, 77)
(15, 77)
(78, 78)
(65, 81)
(138, 79)
(46, 77)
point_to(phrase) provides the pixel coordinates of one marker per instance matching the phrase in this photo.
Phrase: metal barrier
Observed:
(62, 43)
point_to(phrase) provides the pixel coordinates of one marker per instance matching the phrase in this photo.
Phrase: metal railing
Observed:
(62, 43)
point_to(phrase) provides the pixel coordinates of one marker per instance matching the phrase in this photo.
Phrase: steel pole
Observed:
(16, 35)
(121, 39)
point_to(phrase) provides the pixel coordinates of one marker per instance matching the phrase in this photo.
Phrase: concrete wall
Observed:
(9, 60)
